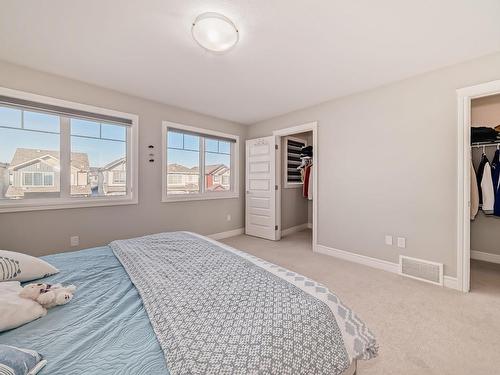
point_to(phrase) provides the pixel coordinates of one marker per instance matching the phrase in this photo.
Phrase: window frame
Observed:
(286, 184)
(202, 195)
(66, 201)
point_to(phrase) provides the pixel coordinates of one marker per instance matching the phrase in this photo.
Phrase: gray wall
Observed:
(294, 207)
(43, 232)
(485, 230)
(388, 164)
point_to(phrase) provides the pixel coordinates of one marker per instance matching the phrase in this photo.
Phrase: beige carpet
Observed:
(421, 328)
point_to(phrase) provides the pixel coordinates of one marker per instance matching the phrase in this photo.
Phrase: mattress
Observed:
(103, 330)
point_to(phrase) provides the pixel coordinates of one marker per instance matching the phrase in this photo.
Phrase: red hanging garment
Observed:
(305, 185)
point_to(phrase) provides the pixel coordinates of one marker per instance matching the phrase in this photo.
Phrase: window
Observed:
(119, 177)
(99, 148)
(291, 160)
(55, 153)
(198, 163)
(217, 164)
(38, 179)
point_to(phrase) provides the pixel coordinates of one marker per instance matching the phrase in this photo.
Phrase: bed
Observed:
(126, 314)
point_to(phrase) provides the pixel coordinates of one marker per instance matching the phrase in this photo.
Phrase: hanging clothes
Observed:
(305, 185)
(305, 168)
(310, 184)
(474, 193)
(479, 176)
(306, 151)
(495, 171)
(488, 195)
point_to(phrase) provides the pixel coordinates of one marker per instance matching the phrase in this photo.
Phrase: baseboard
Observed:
(486, 257)
(227, 234)
(297, 228)
(310, 225)
(357, 258)
(448, 281)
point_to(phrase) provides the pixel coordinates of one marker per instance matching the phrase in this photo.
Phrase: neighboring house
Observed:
(34, 172)
(4, 179)
(182, 179)
(114, 177)
(217, 177)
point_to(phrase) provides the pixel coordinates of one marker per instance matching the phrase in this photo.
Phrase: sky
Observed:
(99, 151)
(41, 131)
(183, 149)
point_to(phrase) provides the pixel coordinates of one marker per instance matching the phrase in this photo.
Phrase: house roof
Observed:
(25, 155)
(209, 169)
(216, 168)
(114, 163)
(178, 168)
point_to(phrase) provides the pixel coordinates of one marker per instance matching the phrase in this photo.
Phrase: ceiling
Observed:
(291, 53)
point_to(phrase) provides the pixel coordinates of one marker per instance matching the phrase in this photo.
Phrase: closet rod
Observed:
(485, 144)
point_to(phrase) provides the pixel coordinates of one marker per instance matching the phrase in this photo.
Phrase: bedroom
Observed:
(118, 120)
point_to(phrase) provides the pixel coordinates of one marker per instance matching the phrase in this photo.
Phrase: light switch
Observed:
(74, 240)
(388, 240)
(401, 242)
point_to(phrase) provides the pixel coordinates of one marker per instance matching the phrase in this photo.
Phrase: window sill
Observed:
(293, 186)
(65, 204)
(187, 198)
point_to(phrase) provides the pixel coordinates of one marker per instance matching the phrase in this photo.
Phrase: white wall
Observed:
(43, 232)
(388, 164)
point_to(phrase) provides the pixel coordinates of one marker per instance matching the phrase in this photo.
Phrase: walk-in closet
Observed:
(485, 192)
(296, 183)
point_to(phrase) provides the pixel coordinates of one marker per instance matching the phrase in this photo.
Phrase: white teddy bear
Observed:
(48, 295)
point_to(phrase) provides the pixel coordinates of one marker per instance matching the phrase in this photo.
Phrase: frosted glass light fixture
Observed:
(215, 32)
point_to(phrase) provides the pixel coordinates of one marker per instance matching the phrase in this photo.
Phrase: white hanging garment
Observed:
(487, 190)
(474, 193)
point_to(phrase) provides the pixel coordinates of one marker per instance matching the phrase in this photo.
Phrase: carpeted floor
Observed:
(421, 328)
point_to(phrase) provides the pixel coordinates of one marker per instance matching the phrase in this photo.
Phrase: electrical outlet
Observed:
(228, 217)
(74, 240)
(388, 240)
(402, 242)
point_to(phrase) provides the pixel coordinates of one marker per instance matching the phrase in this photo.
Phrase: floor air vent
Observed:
(420, 269)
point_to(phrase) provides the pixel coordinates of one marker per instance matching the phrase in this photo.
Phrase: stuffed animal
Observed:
(48, 295)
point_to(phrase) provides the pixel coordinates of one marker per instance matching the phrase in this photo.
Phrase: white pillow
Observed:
(15, 310)
(22, 267)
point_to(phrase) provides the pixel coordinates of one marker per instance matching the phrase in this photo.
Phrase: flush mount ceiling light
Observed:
(215, 32)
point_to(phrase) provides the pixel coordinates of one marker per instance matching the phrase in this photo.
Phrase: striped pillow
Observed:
(21, 267)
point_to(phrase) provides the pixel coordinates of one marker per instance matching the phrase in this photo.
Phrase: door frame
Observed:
(464, 101)
(309, 126)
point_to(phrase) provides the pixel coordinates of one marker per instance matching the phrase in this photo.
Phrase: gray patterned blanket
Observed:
(217, 310)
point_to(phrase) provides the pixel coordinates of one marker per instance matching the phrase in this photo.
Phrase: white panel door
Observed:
(260, 181)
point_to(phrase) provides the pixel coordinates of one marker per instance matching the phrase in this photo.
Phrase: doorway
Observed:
(466, 96)
(264, 182)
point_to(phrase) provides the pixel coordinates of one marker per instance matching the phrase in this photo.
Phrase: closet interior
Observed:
(485, 180)
(296, 183)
